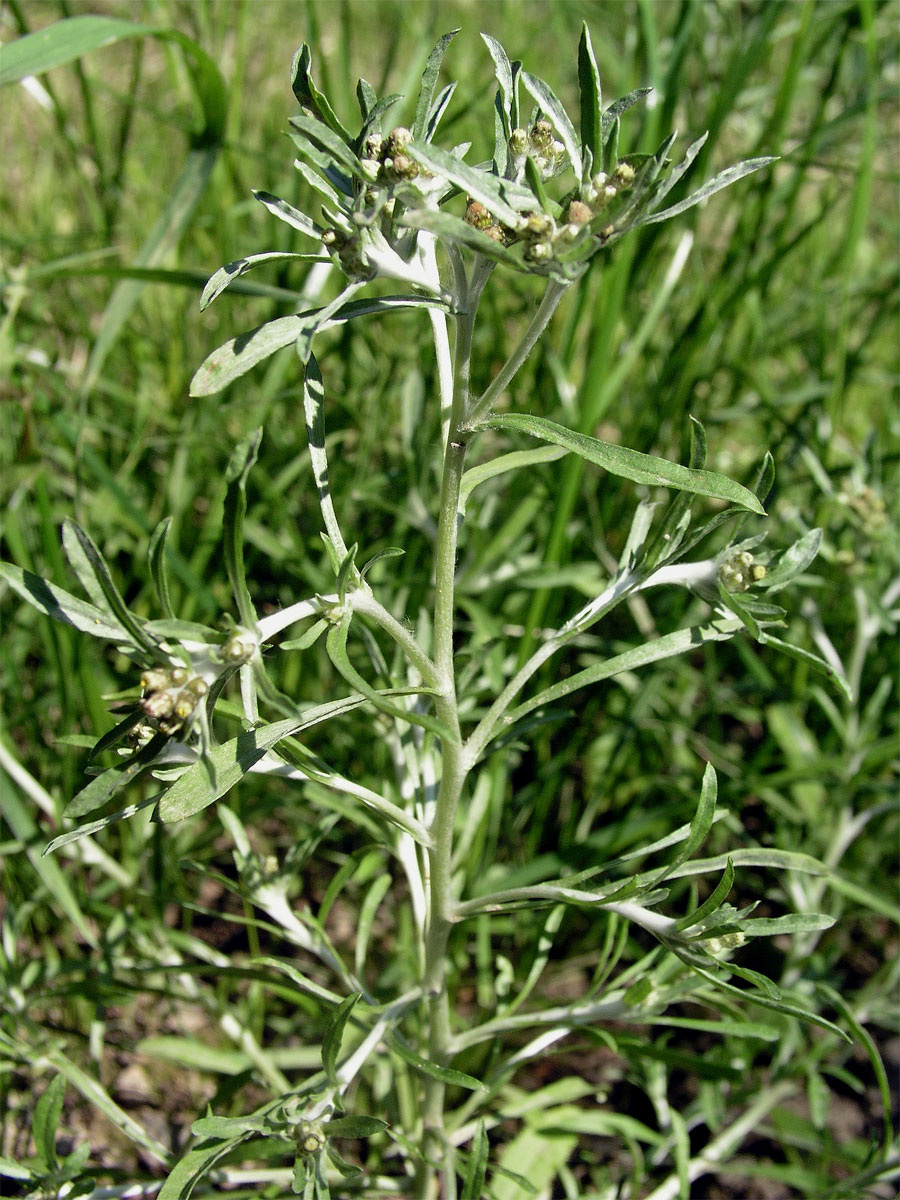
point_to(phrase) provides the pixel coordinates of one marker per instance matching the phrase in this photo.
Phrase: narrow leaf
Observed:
(156, 556)
(287, 213)
(723, 180)
(629, 464)
(713, 901)
(238, 355)
(487, 189)
(429, 81)
(331, 1041)
(476, 1167)
(557, 116)
(47, 1112)
(504, 75)
(615, 110)
(336, 645)
(432, 1070)
(225, 276)
(61, 605)
(354, 1127)
(452, 228)
(308, 95)
(668, 646)
(92, 827)
(794, 560)
(104, 786)
(591, 98)
(337, 147)
(104, 582)
(235, 508)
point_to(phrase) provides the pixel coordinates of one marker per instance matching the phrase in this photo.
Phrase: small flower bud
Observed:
(178, 676)
(624, 174)
(518, 142)
(185, 704)
(541, 135)
(739, 571)
(158, 704)
(154, 680)
(373, 147)
(537, 225)
(477, 215)
(578, 213)
(370, 167)
(310, 1137)
(330, 237)
(538, 252)
(397, 141)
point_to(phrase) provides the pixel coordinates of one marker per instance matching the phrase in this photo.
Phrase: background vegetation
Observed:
(121, 958)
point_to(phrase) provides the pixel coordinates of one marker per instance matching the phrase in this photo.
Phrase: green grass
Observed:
(780, 334)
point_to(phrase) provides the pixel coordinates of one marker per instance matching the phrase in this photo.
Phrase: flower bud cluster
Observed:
(170, 697)
(482, 218)
(868, 506)
(538, 143)
(347, 249)
(385, 161)
(603, 188)
(740, 570)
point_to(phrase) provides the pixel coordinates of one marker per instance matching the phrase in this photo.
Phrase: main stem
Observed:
(453, 762)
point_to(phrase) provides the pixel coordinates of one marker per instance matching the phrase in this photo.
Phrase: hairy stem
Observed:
(441, 913)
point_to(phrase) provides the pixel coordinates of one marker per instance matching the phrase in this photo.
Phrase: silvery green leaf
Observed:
(504, 74)
(713, 901)
(354, 1126)
(319, 182)
(679, 171)
(591, 100)
(557, 116)
(334, 1032)
(497, 195)
(74, 835)
(242, 460)
(91, 566)
(794, 560)
(811, 659)
(672, 644)
(506, 462)
(451, 228)
(103, 787)
(240, 354)
(156, 559)
(309, 96)
(366, 98)
(629, 464)
(716, 184)
(217, 1127)
(615, 110)
(336, 644)
(47, 1112)
(287, 213)
(372, 122)
(437, 110)
(227, 764)
(325, 139)
(791, 923)
(429, 81)
(433, 1070)
(225, 276)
